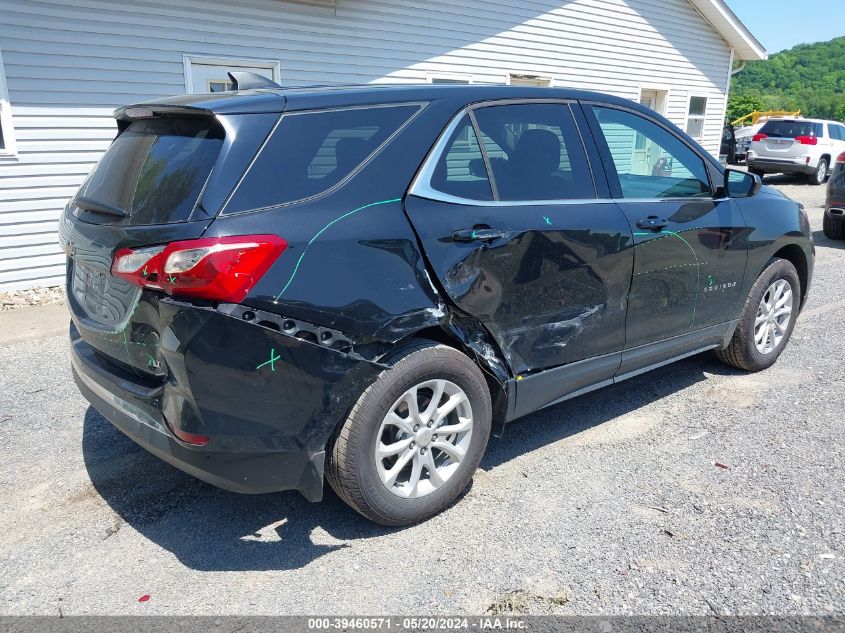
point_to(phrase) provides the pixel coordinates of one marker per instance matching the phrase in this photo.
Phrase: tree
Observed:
(742, 104)
(807, 77)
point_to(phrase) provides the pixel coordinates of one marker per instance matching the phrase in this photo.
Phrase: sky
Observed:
(780, 24)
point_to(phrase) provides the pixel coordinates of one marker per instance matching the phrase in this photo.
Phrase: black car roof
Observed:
(312, 97)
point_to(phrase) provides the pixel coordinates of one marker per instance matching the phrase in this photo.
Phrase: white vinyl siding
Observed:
(69, 63)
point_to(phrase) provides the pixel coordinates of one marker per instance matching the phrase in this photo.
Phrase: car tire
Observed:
(363, 480)
(820, 175)
(834, 228)
(757, 172)
(745, 350)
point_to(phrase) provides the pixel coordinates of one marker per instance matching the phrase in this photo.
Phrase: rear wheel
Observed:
(767, 319)
(756, 172)
(819, 176)
(412, 442)
(834, 228)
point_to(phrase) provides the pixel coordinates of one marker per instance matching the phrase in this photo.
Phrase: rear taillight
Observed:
(807, 140)
(841, 158)
(191, 438)
(214, 268)
(759, 137)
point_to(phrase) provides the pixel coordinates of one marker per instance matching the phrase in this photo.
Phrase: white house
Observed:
(66, 64)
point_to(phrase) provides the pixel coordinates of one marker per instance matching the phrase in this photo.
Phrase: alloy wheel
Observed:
(773, 316)
(423, 438)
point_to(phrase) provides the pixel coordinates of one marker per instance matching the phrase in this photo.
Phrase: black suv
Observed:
(273, 285)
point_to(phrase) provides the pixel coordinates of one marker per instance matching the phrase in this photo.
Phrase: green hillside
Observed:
(809, 77)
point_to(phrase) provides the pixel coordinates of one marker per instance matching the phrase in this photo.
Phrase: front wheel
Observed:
(767, 319)
(819, 176)
(412, 442)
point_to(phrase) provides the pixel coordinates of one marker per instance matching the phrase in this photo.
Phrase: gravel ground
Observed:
(33, 297)
(612, 503)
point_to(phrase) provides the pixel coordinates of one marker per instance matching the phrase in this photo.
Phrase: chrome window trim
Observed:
(421, 185)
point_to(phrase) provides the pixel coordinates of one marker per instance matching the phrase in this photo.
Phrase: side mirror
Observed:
(741, 184)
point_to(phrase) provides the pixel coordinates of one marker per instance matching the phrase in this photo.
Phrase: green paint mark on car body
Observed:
(667, 233)
(548, 220)
(322, 230)
(272, 362)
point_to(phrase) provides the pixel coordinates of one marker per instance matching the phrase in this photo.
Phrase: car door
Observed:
(690, 247)
(517, 236)
(837, 134)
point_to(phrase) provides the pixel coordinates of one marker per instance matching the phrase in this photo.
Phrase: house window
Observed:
(7, 136)
(448, 78)
(210, 74)
(695, 117)
(529, 80)
(220, 86)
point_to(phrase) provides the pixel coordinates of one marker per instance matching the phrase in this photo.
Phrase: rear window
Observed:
(155, 170)
(310, 152)
(791, 129)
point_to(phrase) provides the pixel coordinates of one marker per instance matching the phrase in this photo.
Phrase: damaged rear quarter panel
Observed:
(291, 393)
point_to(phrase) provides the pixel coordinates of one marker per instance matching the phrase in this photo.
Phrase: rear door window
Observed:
(310, 152)
(155, 170)
(791, 129)
(535, 152)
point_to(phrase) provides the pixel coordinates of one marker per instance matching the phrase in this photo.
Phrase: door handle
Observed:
(652, 222)
(482, 235)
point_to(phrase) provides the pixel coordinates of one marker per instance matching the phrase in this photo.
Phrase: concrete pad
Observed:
(33, 322)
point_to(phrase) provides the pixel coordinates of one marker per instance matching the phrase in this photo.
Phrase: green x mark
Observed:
(548, 220)
(171, 279)
(272, 362)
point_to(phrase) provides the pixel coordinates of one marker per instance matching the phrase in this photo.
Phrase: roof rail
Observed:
(245, 80)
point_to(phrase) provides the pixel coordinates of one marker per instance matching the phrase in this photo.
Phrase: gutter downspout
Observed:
(738, 68)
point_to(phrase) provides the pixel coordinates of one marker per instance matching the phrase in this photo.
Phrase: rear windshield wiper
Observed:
(97, 206)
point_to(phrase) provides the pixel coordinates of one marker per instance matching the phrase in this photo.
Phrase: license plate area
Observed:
(99, 297)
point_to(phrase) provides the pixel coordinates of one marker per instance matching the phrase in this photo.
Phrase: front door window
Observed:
(650, 161)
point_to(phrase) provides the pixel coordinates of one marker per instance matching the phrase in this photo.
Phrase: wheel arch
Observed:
(795, 255)
(471, 341)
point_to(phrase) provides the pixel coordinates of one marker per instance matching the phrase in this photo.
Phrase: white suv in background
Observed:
(796, 146)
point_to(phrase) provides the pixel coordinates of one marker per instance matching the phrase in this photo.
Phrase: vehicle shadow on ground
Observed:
(591, 410)
(787, 179)
(821, 240)
(209, 529)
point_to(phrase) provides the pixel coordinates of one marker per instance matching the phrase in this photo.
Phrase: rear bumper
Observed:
(786, 166)
(268, 429)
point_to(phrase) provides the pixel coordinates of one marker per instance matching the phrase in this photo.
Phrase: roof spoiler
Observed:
(245, 80)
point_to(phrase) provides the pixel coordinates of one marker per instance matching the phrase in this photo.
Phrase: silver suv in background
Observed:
(796, 146)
